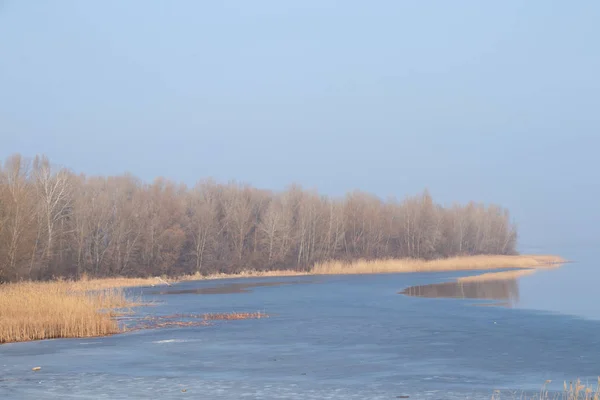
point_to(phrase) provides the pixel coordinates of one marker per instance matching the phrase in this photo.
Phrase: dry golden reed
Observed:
(572, 391)
(339, 267)
(445, 264)
(87, 284)
(46, 310)
(192, 320)
(234, 316)
(497, 276)
(242, 274)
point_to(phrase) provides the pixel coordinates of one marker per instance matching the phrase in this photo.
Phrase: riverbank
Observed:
(88, 307)
(403, 265)
(466, 263)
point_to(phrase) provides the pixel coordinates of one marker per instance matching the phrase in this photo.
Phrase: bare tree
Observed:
(204, 226)
(334, 236)
(18, 211)
(238, 214)
(81, 225)
(128, 225)
(54, 193)
(269, 227)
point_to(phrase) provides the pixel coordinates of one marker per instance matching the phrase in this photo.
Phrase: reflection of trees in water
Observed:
(505, 289)
(228, 288)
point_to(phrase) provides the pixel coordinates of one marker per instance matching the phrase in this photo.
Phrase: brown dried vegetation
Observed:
(33, 311)
(188, 320)
(571, 391)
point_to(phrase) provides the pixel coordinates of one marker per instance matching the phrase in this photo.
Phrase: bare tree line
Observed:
(55, 223)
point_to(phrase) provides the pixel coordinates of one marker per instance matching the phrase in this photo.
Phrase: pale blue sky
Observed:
(490, 101)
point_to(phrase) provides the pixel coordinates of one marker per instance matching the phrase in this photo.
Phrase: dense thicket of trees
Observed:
(56, 223)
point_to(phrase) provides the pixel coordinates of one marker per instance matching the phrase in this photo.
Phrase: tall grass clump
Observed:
(88, 284)
(482, 262)
(572, 391)
(34, 311)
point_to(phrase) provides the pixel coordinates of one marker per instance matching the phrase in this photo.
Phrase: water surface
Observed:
(347, 337)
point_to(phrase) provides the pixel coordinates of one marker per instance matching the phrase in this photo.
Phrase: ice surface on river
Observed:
(350, 337)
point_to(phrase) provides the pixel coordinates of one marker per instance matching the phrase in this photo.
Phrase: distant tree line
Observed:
(55, 223)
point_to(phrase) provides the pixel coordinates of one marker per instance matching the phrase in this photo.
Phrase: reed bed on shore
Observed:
(497, 276)
(87, 307)
(48, 310)
(574, 390)
(483, 262)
